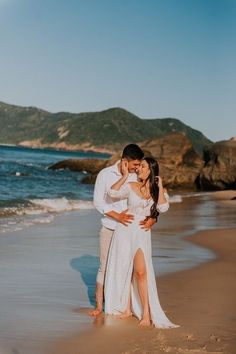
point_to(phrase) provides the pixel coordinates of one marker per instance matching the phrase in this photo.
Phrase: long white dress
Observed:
(126, 241)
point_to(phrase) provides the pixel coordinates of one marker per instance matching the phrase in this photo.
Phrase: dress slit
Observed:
(136, 304)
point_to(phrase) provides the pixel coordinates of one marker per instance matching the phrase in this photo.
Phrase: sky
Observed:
(155, 58)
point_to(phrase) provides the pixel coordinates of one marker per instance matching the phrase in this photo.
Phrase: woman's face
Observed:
(143, 170)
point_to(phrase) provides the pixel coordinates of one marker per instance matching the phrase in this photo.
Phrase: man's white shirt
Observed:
(102, 201)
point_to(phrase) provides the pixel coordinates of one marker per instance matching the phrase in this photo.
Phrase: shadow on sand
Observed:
(87, 266)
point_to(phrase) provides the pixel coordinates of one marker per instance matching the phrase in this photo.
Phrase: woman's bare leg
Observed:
(140, 273)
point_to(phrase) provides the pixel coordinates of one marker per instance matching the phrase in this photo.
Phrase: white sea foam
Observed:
(62, 204)
(179, 198)
(42, 206)
(38, 211)
(176, 199)
(195, 194)
(23, 222)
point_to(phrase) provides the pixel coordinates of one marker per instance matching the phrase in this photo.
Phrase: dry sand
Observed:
(224, 195)
(201, 300)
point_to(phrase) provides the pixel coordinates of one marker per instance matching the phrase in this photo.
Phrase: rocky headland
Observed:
(181, 166)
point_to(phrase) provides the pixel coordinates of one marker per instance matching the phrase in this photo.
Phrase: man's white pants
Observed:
(105, 242)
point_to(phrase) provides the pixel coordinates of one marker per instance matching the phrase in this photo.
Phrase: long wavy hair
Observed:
(154, 189)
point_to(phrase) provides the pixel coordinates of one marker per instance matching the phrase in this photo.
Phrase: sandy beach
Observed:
(48, 273)
(201, 300)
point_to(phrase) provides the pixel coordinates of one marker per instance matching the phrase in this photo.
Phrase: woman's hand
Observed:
(124, 168)
(158, 180)
(147, 223)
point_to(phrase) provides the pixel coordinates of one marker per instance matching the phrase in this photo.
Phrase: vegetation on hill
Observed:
(108, 129)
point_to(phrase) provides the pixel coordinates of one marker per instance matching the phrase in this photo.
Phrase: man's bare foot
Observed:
(125, 315)
(95, 312)
(145, 322)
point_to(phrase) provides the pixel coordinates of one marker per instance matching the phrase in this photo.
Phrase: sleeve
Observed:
(162, 208)
(122, 193)
(99, 193)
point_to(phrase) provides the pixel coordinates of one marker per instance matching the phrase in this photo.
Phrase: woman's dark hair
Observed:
(154, 189)
(132, 152)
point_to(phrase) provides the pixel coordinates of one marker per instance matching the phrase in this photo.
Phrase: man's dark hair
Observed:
(132, 152)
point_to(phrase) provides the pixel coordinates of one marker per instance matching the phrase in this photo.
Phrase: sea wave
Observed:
(55, 205)
(37, 211)
(41, 206)
(196, 194)
(175, 199)
(61, 204)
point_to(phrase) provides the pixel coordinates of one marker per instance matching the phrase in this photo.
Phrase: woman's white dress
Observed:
(126, 241)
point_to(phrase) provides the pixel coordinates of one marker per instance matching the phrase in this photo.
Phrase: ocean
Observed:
(30, 193)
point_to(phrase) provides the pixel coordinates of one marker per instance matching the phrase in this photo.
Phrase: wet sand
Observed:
(201, 300)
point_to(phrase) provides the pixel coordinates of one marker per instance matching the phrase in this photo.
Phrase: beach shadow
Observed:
(87, 265)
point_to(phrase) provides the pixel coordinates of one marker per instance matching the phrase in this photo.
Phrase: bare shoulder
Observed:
(165, 190)
(134, 185)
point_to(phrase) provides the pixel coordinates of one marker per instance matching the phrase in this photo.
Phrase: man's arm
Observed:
(103, 208)
(100, 193)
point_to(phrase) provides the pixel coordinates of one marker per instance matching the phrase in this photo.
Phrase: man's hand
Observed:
(147, 224)
(125, 218)
(122, 217)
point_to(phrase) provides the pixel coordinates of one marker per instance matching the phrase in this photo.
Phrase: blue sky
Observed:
(155, 58)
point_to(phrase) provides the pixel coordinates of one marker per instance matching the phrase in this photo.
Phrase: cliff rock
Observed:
(92, 166)
(219, 171)
(179, 163)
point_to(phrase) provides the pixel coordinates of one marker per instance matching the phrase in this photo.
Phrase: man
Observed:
(113, 211)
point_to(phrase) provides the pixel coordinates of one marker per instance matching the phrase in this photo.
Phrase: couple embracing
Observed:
(130, 197)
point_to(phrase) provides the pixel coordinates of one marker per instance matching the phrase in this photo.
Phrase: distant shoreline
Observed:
(46, 147)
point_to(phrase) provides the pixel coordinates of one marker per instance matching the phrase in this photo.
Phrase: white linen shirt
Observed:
(102, 201)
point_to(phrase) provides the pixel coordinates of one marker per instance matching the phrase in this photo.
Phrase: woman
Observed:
(130, 286)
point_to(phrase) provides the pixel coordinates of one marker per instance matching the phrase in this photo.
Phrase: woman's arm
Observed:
(120, 189)
(163, 199)
(125, 173)
(162, 191)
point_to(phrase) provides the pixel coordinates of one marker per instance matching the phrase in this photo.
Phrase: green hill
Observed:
(109, 129)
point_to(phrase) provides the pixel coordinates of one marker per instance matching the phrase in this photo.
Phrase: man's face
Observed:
(133, 165)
